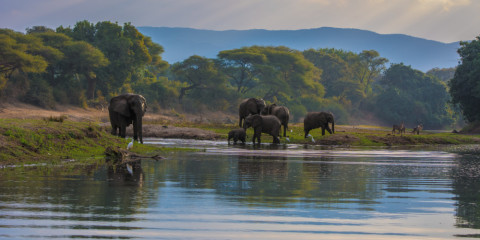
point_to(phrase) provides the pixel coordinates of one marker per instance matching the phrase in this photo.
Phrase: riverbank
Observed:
(29, 134)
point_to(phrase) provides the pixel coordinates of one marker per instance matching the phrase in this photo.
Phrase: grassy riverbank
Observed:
(356, 136)
(55, 140)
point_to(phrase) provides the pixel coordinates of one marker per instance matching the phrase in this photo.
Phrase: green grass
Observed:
(30, 141)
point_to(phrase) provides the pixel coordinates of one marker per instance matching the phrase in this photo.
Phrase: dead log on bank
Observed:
(119, 156)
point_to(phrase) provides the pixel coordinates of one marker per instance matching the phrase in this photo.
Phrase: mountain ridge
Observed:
(421, 54)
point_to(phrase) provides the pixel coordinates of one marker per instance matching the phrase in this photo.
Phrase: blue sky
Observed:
(441, 20)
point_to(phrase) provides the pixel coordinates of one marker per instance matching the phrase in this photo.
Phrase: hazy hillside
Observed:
(422, 54)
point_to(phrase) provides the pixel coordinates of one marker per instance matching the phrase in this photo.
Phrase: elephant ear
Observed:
(121, 106)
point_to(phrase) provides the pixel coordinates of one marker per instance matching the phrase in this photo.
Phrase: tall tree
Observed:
(199, 74)
(413, 97)
(371, 66)
(287, 73)
(242, 66)
(23, 53)
(465, 85)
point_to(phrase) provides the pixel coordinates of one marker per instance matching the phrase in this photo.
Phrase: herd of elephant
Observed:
(268, 119)
(130, 108)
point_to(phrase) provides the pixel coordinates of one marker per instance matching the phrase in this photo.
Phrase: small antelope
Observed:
(417, 129)
(400, 128)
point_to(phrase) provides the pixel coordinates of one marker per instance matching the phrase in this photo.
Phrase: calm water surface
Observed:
(241, 192)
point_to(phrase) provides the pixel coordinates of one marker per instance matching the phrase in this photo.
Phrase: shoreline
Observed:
(27, 135)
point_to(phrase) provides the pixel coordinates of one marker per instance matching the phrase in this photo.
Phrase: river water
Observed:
(242, 192)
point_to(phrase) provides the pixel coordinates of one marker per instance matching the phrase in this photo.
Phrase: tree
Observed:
(465, 85)
(371, 66)
(82, 58)
(128, 51)
(200, 76)
(242, 66)
(22, 53)
(413, 97)
(287, 73)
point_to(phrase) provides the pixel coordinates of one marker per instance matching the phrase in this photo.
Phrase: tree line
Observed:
(88, 64)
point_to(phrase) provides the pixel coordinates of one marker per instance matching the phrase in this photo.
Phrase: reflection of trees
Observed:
(269, 179)
(99, 192)
(466, 187)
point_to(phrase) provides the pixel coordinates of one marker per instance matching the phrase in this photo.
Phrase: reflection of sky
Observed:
(238, 192)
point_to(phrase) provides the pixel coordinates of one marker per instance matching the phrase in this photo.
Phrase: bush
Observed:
(40, 94)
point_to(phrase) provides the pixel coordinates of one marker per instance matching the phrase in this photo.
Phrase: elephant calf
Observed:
(318, 120)
(263, 124)
(237, 134)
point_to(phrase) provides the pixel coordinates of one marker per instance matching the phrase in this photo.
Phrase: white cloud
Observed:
(444, 20)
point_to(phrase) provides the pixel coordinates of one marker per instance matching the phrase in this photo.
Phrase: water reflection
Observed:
(241, 192)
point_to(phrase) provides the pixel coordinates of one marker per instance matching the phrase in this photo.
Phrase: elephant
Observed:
(318, 119)
(281, 112)
(126, 109)
(250, 106)
(237, 134)
(263, 124)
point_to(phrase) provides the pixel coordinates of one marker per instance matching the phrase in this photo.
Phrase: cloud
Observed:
(444, 20)
(446, 5)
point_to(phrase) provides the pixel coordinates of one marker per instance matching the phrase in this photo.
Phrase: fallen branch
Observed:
(118, 156)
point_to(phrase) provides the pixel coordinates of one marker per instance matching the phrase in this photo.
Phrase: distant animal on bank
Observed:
(263, 124)
(250, 106)
(237, 134)
(417, 129)
(318, 120)
(124, 110)
(281, 112)
(400, 128)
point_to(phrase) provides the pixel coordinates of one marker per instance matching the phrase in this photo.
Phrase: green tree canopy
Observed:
(200, 76)
(243, 67)
(413, 97)
(465, 85)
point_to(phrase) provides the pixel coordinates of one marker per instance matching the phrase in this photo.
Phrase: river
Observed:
(244, 192)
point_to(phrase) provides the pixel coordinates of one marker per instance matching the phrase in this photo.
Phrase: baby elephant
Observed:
(237, 134)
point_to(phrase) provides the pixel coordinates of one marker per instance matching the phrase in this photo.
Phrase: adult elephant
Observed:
(318, 119)
(250, 106)
(263, 124)
(281, 112)
(124, 110)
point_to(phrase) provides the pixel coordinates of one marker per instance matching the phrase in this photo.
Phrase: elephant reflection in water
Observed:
(126, 173)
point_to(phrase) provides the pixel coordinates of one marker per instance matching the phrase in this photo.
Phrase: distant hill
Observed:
(421, 54)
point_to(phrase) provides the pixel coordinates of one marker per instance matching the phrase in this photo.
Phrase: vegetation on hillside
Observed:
(88, 63)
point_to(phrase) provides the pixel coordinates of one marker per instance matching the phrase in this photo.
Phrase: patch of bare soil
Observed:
(338, 139)
(159, 131)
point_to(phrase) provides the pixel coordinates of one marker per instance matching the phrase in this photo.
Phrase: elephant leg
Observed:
(306, 133)
(328, 129)
(240, 122)
(114, 130)
(323, 131)
(122, 131)
(285, 130)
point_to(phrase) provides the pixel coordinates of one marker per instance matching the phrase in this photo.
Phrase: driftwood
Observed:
(118, 156)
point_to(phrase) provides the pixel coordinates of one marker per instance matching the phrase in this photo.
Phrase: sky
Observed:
(441, 20)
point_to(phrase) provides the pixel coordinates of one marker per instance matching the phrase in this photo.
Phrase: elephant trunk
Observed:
(333, 126)
(139, 128)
